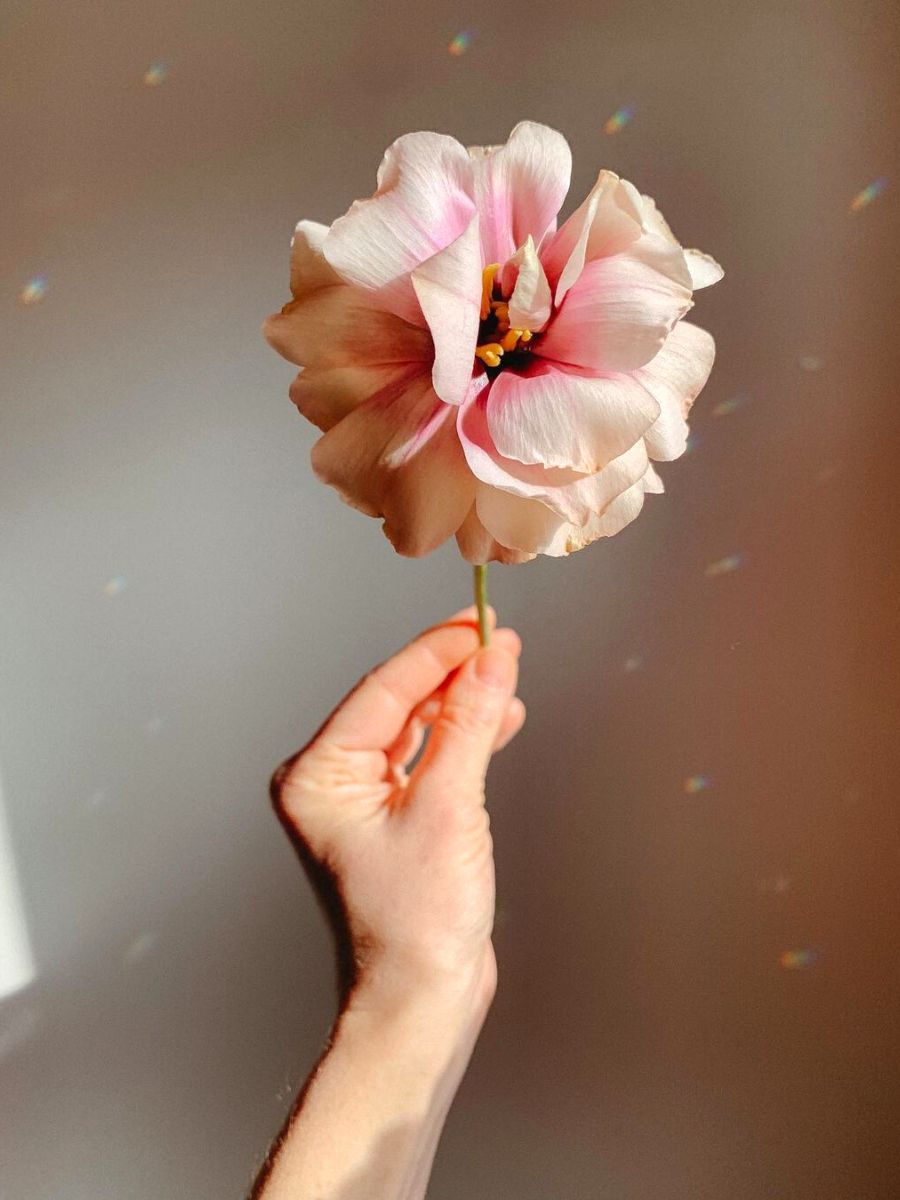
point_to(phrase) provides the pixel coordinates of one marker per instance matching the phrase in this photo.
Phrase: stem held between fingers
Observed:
(481, 601)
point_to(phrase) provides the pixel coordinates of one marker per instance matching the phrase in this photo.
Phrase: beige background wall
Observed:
(646, 1044)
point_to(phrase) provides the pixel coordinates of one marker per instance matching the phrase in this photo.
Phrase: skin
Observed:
(403, 864)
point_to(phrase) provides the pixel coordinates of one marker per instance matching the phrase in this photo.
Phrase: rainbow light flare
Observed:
(724, 566)
(34, 290)
(460, 43)
(155, 74)
(696, 783)
(867, 195)
(618, 120)
(795, 960)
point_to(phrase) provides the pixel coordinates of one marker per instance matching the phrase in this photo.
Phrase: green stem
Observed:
(481, 601)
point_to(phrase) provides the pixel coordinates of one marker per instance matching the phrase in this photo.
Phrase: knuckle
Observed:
(471, 715)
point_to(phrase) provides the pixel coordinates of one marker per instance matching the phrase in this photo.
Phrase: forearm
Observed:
(369, 1122)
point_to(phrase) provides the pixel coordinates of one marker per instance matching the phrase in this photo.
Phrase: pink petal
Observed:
(336, 326)
(530, 302)
(325, 395)
(398, 456)
(309, 268)
(559, 419)
(448, 287)
(424, 202)
(619, 312)
(572, 495)
(605, 223)
(674, 377)
(520, 187)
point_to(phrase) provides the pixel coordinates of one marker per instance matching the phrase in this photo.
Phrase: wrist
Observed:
(457, 999)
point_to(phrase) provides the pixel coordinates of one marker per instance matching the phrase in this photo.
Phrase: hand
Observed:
(403, 861)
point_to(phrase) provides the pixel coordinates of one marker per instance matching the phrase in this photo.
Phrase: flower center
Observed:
(496, 338)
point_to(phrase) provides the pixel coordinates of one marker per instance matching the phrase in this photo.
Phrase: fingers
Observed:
(470, 723)
(374, 714)
(512, 723)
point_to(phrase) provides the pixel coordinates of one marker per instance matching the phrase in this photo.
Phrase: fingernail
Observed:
(495, 667)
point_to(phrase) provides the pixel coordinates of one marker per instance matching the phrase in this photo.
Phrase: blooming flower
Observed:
(477, 371)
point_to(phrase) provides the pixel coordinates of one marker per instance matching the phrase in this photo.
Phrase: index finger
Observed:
(374, 714)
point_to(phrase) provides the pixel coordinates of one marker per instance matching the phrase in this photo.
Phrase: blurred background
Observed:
(697, 833)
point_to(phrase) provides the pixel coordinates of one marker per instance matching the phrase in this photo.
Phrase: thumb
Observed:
(463, 736)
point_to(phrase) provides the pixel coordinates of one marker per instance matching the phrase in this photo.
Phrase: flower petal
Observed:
(572, 495)
(325, 395)
(309, 268)
(529, 526)
(520, 187)
(336, 326)
(398, 456)
(606, 222)
(477, 546)
(530, 302)
(559, 419)
(620, 310)
(704, 269)
(424, 202)
(674, 377)
(448, 287)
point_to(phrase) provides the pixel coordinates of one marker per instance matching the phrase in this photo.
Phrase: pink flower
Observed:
(477, 371)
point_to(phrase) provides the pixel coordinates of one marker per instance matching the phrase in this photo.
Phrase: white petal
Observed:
(559, 419)
(520, 187)
(336, 326)
(398, 456)
(448, 287)
(530, 302)
(674, 377)
(605, 223)
(424, 202)
(309, 268)
(703, 268)
(618, 314)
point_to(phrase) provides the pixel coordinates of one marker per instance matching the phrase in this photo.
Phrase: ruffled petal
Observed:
(520, 187)
(674, 377)
(398, 456)
(620, 310)
(531, 527)
(341, 325)
(530, 301)
(560, 419)
(309, 267)
(448, 287)
(572, 495)
(325, 395)
(424, 202)
(605, 223)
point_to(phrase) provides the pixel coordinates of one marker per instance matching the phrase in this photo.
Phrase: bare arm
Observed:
(404, 865)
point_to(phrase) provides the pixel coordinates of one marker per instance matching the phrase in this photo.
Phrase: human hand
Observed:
(403, 861)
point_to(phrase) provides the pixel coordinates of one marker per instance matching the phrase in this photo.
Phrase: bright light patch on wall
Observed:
(16, 958)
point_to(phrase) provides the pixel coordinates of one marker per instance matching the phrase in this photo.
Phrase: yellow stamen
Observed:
(487, 287)
(514, 337)
(490, 353)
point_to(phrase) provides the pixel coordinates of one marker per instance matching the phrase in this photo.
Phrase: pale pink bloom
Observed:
(477, 371)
